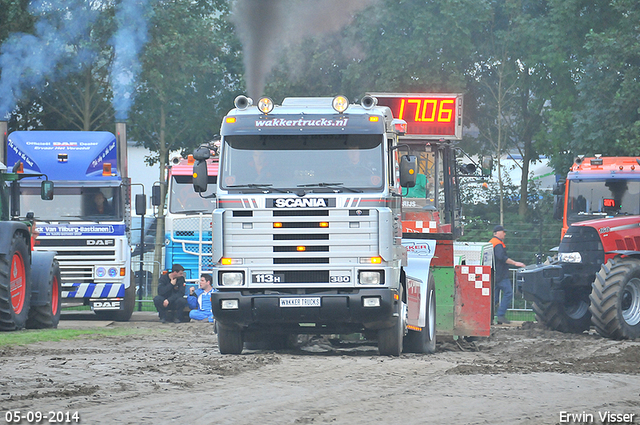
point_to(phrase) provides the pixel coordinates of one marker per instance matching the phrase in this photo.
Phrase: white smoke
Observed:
(131, 18)
(27, 60)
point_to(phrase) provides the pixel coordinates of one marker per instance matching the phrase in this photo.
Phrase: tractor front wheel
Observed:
(571, 316)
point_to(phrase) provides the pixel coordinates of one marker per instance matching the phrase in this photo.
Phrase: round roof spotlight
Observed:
(340, 103)
(265, 105)
(242, 102)
(369, 102)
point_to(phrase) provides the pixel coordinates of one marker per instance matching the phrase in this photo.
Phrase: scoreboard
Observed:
(428, 115)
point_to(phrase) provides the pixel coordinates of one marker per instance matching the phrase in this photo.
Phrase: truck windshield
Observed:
(183, 199)
(291, 161)
(589, 198)
(73, 204)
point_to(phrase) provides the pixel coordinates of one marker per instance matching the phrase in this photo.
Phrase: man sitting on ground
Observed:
(200, 299)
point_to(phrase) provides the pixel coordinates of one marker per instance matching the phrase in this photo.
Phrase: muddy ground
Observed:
(173, 373)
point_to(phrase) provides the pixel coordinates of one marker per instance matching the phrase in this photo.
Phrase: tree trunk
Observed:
(163, 151)
(531, 122)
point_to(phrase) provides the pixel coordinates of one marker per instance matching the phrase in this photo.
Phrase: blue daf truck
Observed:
(88, 221)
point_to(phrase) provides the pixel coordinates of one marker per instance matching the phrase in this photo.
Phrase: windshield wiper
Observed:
(261, 186)
(334, 186)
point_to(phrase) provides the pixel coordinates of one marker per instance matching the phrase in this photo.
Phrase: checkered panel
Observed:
(479, 276)
(420, 226)
(472, 301)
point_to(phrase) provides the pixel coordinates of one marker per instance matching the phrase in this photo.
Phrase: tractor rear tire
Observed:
(48, 316)
(15, 285)
(568, 317)
(229, 340)
(425, 340)
(615, 299)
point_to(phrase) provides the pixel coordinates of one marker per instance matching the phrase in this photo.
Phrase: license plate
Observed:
(300, 302)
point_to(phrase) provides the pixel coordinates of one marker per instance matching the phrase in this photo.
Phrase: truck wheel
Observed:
(425, 340)
(572, 316)
(48, 316)
(270, 341)
(15, 285)
(390, 339)
(615, 299)
(229, 340)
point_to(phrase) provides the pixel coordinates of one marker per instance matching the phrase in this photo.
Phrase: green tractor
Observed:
(29, 280)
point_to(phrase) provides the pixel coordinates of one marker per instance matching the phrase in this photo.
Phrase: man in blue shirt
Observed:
(501, 262)
(200, 299)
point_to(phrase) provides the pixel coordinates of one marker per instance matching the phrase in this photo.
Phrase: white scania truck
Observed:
(307, 226)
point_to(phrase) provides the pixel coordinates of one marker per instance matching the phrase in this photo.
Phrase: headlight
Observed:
(100, 271)
(232, 279)
(570, 257)
(370, 277)
(108, 272)
(229, 304)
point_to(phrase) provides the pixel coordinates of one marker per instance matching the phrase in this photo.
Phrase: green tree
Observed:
(79, 95)
(73, 93)
(567, 26)
(190, 73)
(15, 17)
(608, 120)
(414, 47)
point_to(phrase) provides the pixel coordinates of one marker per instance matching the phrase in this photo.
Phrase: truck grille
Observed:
(190, 243)
(76, 266)
(329, 236)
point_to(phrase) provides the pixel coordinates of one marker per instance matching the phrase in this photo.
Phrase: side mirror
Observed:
(141, 204)
(46, 190)
(202, 153)
(156, 195)
(200, 176)
(467, 169)
(558, 207)
(558, 188)
(408, 170)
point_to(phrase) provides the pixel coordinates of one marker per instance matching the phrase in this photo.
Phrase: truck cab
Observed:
(188, 219)
(88, 222)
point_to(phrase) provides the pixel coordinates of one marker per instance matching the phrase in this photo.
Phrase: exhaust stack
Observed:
(3, 138)
(121, 141)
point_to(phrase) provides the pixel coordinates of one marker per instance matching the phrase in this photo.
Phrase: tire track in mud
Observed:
(142, 377)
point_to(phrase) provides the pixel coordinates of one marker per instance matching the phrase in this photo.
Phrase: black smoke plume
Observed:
(265, 27)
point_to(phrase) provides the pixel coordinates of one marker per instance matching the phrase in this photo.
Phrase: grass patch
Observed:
(29, 336)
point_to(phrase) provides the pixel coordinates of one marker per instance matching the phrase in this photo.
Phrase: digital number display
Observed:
(427, 115)
(609, 203)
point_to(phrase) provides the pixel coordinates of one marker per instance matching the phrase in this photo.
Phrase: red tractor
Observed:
(29, 280)
(596, 277)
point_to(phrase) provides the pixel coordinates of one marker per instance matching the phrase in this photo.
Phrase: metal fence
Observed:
(520, 309)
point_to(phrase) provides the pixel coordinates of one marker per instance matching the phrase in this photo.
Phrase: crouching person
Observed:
(170, 301)
(200, 299)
